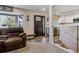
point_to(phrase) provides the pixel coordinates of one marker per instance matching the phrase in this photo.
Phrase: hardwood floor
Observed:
(38, 47)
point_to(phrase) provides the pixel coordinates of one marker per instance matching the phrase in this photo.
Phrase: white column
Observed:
(51, 40)
(24, 23)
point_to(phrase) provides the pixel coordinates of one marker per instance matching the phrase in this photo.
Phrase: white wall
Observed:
(29, 27)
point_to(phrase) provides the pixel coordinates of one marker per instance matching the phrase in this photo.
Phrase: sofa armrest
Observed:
(1, 46)
(22, 34)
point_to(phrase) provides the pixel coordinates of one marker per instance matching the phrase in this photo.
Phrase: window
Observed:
(20, 20)
(10, 21)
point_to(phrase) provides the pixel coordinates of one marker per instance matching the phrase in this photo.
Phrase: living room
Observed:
(28, 28)
(18, 26)
(39, 29)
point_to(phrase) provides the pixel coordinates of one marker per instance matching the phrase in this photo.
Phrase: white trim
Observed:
(67, 50)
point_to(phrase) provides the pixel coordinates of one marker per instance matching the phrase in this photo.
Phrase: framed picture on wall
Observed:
(27, 17)
(47, 19)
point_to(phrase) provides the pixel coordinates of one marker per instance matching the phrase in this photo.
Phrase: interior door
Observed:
(39, 25)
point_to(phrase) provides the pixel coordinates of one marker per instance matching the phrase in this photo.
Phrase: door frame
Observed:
(44, 22)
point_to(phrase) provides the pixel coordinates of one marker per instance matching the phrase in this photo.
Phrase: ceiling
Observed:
(35, 8)
(45, 8)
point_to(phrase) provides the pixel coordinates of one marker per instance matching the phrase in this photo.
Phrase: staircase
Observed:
(68, 38)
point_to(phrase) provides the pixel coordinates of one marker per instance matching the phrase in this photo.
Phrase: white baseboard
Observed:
(67, 50)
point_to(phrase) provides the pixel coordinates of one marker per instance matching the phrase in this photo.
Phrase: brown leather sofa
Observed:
(12, 38)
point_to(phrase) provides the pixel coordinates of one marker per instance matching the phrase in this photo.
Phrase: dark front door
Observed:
(39, 25)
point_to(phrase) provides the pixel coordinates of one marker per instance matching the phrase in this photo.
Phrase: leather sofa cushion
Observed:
(12, 41)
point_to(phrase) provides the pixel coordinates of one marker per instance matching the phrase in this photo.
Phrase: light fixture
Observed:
(44, 9)
(56, 17)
